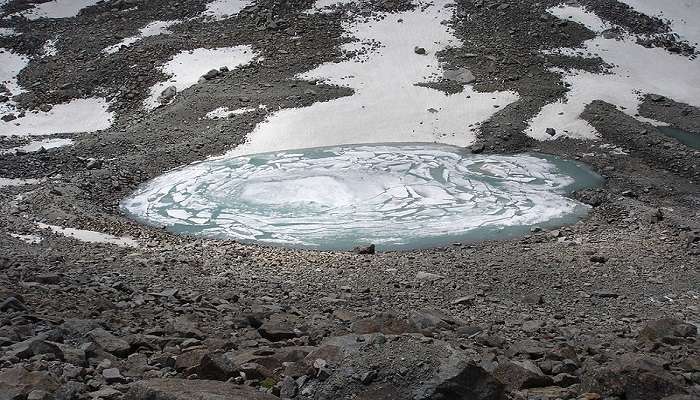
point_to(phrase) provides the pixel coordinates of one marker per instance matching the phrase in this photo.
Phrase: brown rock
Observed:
(109, 343)
(19, 381)
(181, 389)
(666, 327)
(386, 323)
(518, 375)
(190, 361)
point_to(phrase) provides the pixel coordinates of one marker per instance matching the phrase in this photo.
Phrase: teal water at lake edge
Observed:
(397, 196)
(687, 138)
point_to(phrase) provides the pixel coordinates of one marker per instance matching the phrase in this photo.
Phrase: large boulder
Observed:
(461, 380)
(666, 328)
(18, 382)
(518, 375)
(109, 343)
(387, 323)
(181, 389)
(633, 377)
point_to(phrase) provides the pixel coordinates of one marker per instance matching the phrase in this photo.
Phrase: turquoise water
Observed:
(687, 138)
(398, 196)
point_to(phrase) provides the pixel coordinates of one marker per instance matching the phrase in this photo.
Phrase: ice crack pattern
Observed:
(397, 196)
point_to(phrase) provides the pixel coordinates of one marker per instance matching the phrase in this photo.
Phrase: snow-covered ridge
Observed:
(636, 71)
(387, 105)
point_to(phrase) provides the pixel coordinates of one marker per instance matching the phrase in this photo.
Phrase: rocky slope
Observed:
(607, 308)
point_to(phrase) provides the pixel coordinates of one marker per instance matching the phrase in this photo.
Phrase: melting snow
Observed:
(187, 67)
(636, 71)
(36, 145)
(8, 32)
(222, 9)
(90, 236)
(153, 29)
(225, 112)
(49, 49)
(57, 9)
(31, 239)
(5, 182)
(682, 14)
(11, 64)
(387, 106)
(79, 115)
(396, 196)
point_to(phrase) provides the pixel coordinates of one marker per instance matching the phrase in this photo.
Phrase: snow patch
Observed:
(57, 9)
(79, 115)
(187, 67)
(636, 70)
(681, 14)
(37, 145)
(225, 112)
(49, 49)
(90, 236)
(7, 182)
(8, 32)
(152, 29)
(223, 9)
(11, 64)
(387, 105)
(31, 239)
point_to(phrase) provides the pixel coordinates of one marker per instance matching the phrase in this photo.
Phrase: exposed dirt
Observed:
(580, 293)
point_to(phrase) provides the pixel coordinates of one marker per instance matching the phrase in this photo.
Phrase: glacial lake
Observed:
(397, 196)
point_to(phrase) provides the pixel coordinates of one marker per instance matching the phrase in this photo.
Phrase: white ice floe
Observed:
(222, 9)
(154, 28)
(57, 9)
(393, 195)
(31, 239)
(387, 105)
(636, 70)
(6, 182)
(90, 236)
(79, 115)
(225, 112)
(187, 67)
(37, 145)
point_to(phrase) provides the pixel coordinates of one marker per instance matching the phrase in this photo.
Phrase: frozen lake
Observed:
(398, 196)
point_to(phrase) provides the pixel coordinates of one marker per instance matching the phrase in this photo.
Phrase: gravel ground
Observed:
(605, 308)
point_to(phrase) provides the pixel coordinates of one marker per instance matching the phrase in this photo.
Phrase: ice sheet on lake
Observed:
(79, 115)
(387, 106)
(636, 70)
(334, 198)
(57, 9)
(154, 28)
(90, 236)
(222, 9)
(187, 67)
